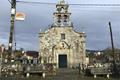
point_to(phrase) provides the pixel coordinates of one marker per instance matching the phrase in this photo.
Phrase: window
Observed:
(62, 36)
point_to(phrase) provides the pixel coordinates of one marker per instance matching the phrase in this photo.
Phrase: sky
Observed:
(90, 19)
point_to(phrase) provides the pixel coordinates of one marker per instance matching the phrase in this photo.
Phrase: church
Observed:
(61, 44)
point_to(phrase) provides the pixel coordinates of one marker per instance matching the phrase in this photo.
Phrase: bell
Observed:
(59, 16)
(65, 18)
(59, 21)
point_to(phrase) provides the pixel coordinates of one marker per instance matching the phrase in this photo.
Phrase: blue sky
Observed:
(92, 20)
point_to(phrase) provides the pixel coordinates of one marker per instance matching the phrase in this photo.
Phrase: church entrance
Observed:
(62, 61)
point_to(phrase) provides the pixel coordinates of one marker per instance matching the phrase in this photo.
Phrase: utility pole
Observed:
(115, 70)
(112, 43)
(10, 44)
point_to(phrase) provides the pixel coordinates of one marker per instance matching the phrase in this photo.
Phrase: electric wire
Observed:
(9, 1)
(46, 3)
(36, 2)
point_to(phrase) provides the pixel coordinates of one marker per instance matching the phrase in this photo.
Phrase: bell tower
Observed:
(62, 15)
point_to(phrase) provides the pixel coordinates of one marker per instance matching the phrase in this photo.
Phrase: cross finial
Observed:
(62, 1)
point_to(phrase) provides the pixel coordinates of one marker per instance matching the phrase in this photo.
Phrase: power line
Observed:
(36, 2)
(97, 4)
(9, 1)
(45, 3)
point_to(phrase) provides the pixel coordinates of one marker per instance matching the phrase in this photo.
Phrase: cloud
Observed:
(92, 20)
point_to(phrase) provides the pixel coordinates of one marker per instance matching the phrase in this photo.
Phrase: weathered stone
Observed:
(62, 39)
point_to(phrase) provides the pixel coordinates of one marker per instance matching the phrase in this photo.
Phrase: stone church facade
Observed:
(61, 44)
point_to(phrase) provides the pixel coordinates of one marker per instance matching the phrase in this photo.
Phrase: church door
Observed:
(62, 61)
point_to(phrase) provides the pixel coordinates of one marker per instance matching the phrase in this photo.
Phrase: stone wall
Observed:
(62, 40)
